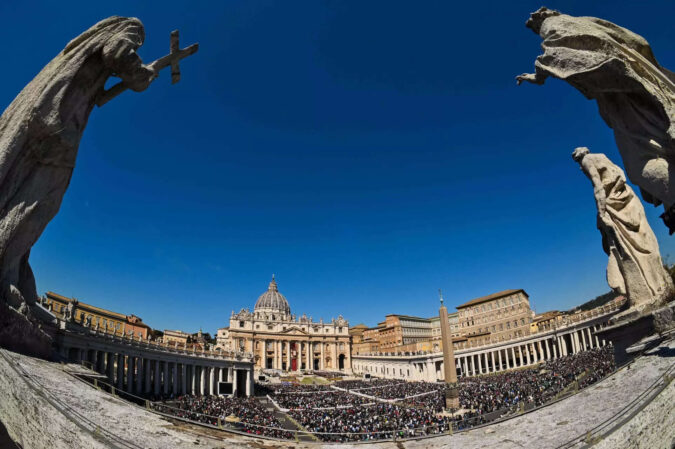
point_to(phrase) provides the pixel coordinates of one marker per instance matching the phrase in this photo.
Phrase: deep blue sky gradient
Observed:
(367, 152)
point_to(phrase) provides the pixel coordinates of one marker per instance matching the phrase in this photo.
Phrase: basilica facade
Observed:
(282, 341)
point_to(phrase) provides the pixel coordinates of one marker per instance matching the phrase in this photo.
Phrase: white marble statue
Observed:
(634, 93)
(635, 268)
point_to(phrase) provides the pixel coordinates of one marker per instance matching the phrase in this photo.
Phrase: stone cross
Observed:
(172, 59)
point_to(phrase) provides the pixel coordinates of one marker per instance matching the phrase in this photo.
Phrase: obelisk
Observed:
(450, 372)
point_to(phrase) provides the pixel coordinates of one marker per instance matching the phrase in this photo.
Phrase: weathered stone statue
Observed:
(635, 268)
(40, 134)
(635, 95)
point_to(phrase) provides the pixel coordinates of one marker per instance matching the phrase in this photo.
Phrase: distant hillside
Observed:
(597, 301)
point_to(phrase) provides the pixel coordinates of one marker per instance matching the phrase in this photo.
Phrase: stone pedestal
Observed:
(452, 398)
(631, 334)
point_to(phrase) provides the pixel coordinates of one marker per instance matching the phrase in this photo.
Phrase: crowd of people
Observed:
(375, 422)
(297, 399)
(252, 416)
(402, 409)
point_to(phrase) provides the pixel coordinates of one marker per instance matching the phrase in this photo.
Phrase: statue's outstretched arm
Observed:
(121, 57)
(538, 77)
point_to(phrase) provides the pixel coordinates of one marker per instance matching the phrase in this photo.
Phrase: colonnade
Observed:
(142, 370)
(522, 352)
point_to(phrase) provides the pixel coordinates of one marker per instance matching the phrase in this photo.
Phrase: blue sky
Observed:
(367, 153)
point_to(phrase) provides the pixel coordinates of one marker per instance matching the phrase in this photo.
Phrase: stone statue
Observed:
(68, 316)
(635, 95)
(635, 268)
(40, 134)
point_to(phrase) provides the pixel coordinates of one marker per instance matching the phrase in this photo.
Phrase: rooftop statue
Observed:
(635, 95)
(40, 134)
(635, 268)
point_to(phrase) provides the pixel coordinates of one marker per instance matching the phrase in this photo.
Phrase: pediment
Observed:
(294, 331)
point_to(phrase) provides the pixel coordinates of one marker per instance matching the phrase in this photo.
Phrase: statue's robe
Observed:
(40, 133)
(635, 95)
(635, 268)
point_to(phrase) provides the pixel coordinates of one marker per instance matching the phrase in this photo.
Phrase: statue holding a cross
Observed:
(40, 134)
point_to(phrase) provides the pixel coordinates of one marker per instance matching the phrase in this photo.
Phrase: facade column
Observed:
(234, 382)
(466, 368)
(308, 355)
(583, 340)
(183, 378)
(110, 367)
(120, 371)
(139, 375)
(165, 380)
(335, 360)
(540, 352)
(249, 380)
(288, 355)
(156, 376)
(174, 375)
(535, 355)
(513, 358)
(322, 364)
(193, 379)
(492, 356)
(590, 338)
(555, 350)
(597, 342)
(146, 373)
(212, 381)
(130, 374)
(547, 345)
(520, 353)
(527, 354)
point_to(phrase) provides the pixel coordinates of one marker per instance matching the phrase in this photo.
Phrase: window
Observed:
(508, 325)
(241, 324)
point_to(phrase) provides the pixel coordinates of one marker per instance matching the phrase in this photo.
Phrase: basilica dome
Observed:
(272, 301)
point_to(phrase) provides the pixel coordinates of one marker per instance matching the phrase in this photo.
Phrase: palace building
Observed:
(281, 341)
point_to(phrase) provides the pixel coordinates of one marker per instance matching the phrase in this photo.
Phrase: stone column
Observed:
(597, 342)
(466, 367)
(583, 340)
(499, 357)
(166, 378)
(514, 364)
(120, 371)
(308, 355)
(480, 362)
(212, 381)
(335, 360)
(174, 375)
(520, 353)
(590, 338)
(547, 345)
(234, 382)
(288, 356)
(100, 356)
(492, 357)
(322, 364)
(139, 375)
(130, 374)
(110, 367)
(249, 383)
(183, 378)
(156, 376)
(193, 379)
(146, 372)
(555, 350)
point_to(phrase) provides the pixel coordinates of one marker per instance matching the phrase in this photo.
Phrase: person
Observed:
(635, 94)
(40, 134)
(635, 268)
